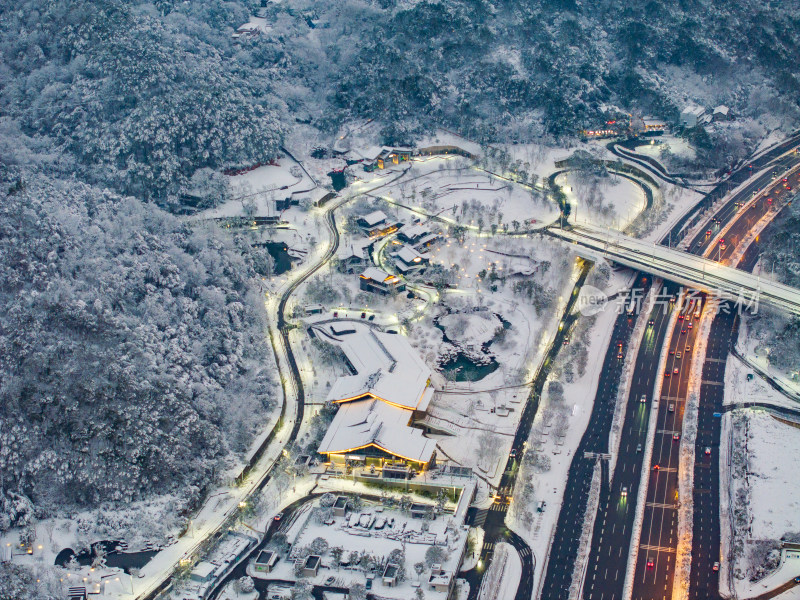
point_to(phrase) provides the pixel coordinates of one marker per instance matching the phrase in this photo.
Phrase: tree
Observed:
(435, 555)
(301, 590)
(318, 546)
(419, 567)
(246, 584)
(327, 500)
(357, 592)
(336, 556)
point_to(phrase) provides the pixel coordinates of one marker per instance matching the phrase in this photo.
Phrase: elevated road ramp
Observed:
(693, 271)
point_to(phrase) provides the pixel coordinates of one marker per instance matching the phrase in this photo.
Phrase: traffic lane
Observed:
(770, 198)
(727, 211)
(611, 536)
(659, 524)
(703, 581)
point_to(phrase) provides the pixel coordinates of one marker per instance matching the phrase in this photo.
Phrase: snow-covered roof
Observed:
(693, 110)
(374, 218)
(387, 367)
(415, 231)
(410, 256)
(203, 569)
(426, 239)
(354, 248)
(372, 422)
(721, 110)
(377, 274)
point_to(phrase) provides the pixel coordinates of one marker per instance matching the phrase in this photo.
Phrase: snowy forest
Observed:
(133, 359)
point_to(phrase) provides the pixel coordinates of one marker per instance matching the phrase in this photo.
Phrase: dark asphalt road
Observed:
(564, 548)
(494, 527)
(655, 564)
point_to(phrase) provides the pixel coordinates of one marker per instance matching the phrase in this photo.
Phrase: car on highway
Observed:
(672, 352)
(619, 354)
(651, 322)
(650, 562)
(680, 317)
(666, 373)
(513, 453)
(689, 326)
(671, 407)
(722, 246)
(715, 566)
(279, 516)
(638, 447)
(683, 330)
(708, 233)
(678, 354)
(675, 371)
(676, 436)
(656, 467)
(688, 348)
(797, 579)
(643, 398)
(624, 491)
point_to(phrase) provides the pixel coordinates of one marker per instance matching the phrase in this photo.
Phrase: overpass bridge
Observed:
(687, 269)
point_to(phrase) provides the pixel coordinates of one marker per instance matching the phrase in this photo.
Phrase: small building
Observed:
(390, 575)
(377, 223)
(374, 279)
(422, 511)
(374, 219)
(653, 126)
(691, 116)
(313, 309)
(265, 561)
(76, 593)
(407, 259)
(440, 580)
(387, 157)
(311, 565)
(417, 235)
(202, 572)
(352, 262)
(340, 506)
(721, 113)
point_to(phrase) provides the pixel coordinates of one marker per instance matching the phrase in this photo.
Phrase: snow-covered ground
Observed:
(676, 146)
(253, 192)
(739, 390)
(460, 194)
(375, 531)
(502, 578)
(612, 201)
(765, 497)
(749, 346)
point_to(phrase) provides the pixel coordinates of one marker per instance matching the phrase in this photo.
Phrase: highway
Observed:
(655, 562)
(564, 548)
(658, 542)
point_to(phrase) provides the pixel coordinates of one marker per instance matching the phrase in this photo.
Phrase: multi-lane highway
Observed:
(564, 548)
(612, 530)
(655, 563)
(654, 571)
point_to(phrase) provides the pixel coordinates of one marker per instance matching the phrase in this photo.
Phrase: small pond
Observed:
(462, 368)
(124, 560)
(280, 254)
(338, 179)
